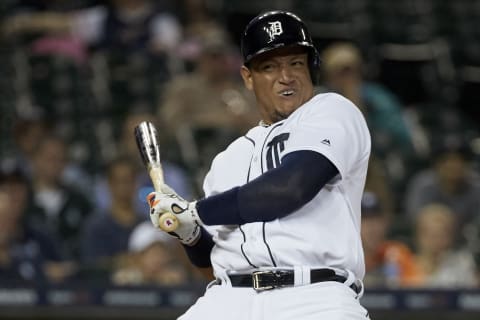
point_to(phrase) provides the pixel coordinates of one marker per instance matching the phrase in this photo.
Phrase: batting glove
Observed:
(167, 200)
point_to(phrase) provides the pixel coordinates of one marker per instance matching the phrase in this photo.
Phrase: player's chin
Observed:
(281, 115)
(286, 108)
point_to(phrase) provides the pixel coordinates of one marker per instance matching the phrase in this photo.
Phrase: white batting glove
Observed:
(167, 200)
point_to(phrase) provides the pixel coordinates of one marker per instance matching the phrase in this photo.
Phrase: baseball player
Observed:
(280, 221)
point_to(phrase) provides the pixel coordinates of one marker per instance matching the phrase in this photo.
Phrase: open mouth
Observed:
(287, 93)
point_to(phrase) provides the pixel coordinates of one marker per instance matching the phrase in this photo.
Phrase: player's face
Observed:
(280, 80)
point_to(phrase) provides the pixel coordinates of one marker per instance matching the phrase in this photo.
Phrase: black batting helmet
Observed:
(276, 29)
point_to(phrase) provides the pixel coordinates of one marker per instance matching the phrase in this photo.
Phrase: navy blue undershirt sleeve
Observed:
(275, 194)
(199, 254)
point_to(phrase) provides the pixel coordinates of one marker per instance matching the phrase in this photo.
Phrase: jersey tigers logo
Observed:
(274, 147)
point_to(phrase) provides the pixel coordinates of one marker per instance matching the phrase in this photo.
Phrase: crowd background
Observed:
(77, 76)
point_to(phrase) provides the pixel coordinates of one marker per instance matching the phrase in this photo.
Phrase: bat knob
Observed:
(168, 222)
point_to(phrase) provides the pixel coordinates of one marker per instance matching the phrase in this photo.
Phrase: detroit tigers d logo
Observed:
(273, 29)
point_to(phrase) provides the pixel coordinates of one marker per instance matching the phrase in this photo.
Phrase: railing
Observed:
(87, 301)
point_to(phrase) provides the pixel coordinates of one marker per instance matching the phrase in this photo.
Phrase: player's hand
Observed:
(167, 200)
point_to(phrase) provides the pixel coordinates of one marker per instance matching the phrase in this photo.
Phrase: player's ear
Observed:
(247, 77)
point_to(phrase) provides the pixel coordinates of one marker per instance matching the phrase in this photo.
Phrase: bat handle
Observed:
(168, 222)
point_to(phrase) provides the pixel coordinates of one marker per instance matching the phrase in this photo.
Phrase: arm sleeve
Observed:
(275, 194)
(199, 254)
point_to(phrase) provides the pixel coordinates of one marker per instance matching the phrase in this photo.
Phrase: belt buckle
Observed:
(257, 285)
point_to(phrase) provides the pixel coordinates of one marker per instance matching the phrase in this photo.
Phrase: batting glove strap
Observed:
(192, 233)
(191, 238)
(189, 212)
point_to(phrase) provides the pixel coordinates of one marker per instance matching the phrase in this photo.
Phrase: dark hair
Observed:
(443, 144)
(12, 173)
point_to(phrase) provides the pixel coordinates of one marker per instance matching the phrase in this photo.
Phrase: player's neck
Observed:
(262, 123)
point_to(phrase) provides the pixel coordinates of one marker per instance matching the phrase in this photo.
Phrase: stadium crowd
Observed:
(77, 76)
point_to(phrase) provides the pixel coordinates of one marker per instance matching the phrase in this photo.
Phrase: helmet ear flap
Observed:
(314, 65)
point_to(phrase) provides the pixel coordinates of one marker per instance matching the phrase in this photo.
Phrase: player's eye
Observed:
(267, 67)
(297, 63)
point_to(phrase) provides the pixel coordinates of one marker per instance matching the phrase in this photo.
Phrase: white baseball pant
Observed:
(323, 300)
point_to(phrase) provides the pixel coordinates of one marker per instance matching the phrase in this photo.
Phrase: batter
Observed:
(280, 221)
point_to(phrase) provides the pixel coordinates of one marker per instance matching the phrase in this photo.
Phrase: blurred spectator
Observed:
(134, 45)
(129, 25)
(26, 252)
(197, 17)
(45, 26)
(388, 263)
(450, 180)
(58, 207)
(117, 24)
(153, 259)
(212, 95)
(438, 262)
(204, 110)
(27, 131)
(344, 73)
(128, 45)
(197, 20)
(105, 237)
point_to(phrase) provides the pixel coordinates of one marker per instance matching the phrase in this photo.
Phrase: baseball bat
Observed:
(149, 148)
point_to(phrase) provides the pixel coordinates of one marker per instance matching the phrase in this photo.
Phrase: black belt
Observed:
(271, 279)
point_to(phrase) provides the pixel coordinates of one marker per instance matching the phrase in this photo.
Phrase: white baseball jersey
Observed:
(325, 232)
